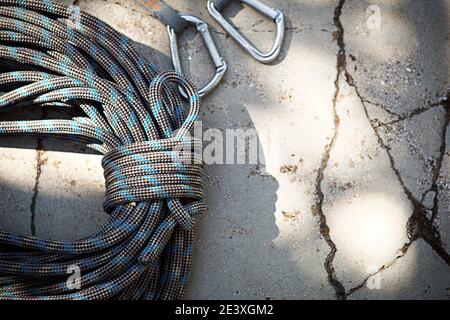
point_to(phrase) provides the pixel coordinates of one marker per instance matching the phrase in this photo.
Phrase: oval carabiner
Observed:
(216, 58)
(275, 14)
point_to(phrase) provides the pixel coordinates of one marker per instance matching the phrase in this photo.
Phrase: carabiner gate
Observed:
(216, 58)
(214, 9)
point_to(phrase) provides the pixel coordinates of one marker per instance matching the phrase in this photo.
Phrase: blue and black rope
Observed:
(121, 106)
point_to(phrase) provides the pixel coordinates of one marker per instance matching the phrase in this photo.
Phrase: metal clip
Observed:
(274, 14)
(218, 61)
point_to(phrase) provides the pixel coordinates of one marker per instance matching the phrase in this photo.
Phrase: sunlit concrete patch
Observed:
(299, 233)
(415, 152)
(365, 206)
(419, 274)
(71, 192)
(369, 228)
(401, 64)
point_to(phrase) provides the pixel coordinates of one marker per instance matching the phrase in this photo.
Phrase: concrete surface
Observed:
(354, 201)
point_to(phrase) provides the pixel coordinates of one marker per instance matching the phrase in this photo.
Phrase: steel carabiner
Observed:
(216, 6)
(176, 22)
(219, 62)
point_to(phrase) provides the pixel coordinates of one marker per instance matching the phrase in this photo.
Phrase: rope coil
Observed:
(116, 102)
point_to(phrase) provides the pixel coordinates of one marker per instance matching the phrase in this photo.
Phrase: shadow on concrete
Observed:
(64, 216)
(241, 201)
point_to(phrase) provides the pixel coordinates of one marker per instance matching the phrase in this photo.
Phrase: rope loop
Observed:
(158, 87)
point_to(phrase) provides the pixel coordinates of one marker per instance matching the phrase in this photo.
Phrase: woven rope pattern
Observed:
(117, 103)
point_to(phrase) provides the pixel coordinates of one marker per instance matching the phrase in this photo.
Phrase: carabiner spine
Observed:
(212, 49)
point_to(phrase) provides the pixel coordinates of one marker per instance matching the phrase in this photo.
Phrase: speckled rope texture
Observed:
(116, 102)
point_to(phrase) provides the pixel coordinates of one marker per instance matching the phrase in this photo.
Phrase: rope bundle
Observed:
(117, 103)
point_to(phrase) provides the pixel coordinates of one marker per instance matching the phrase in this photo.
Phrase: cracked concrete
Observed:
(354, 201)
(364, 203)
(410, 277)
(416, 155)
(420, 223)
(443, 215)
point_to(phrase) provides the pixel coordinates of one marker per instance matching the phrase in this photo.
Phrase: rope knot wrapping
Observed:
(168, 169)
(116, 102)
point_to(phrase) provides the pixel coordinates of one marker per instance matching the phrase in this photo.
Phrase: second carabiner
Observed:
(216, 6)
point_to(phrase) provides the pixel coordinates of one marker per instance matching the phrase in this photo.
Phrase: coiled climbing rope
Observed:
(117, 103)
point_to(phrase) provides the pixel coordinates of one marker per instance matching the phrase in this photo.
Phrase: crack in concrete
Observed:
(408, 115)
(318, 207)
(411, 114)
(403, 251)
(440, 159)
(418, 226)
(39, 163)
(381, 106)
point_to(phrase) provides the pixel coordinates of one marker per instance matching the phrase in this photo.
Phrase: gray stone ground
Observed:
(355, 200)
